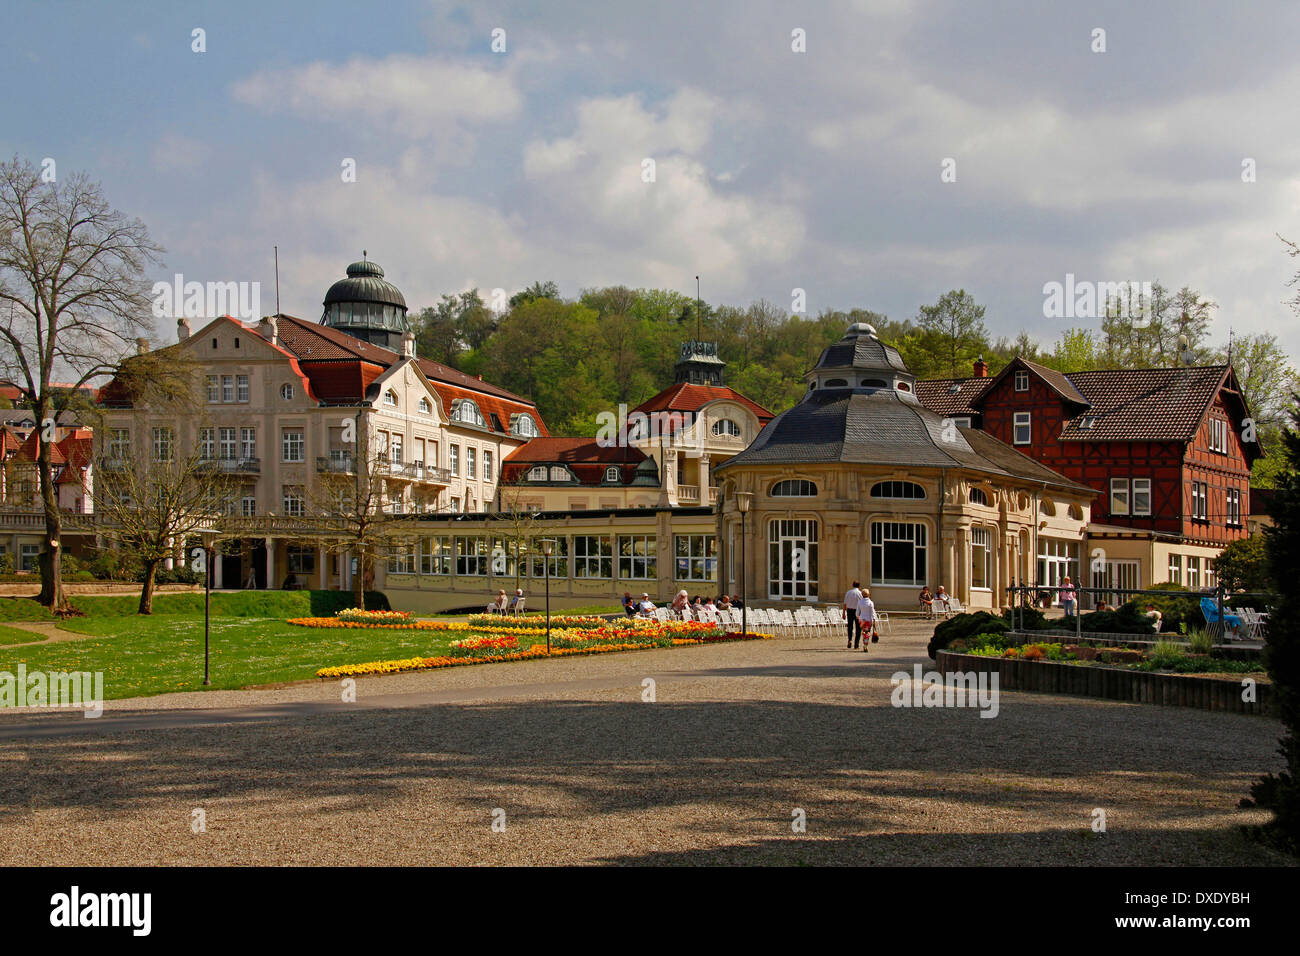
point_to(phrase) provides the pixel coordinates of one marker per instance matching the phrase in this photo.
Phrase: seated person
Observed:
(709, 605)
(926, 600)
(645, 605)
(941, 598)
(724, 603)
(680, 601)
(736, 602)
(291, 582)
(1155, 616)
(515, 601)
(629, 606)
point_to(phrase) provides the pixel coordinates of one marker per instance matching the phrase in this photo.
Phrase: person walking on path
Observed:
(852, 598)
(1069, 596)
(867, 620)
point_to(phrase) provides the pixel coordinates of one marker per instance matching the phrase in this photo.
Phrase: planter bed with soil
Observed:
(1089, 679)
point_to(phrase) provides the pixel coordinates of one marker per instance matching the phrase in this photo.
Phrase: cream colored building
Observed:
(293, 410)
(860, 482)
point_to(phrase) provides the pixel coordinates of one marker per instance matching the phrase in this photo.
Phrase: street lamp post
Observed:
(548, 545)
(207, 604)
(743, 500)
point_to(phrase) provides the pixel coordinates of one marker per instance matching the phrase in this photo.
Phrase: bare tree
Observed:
(149, 507)
(518, 524)
(73, 287)
(351, 509)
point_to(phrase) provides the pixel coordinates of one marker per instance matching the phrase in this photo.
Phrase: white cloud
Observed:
(409, 95)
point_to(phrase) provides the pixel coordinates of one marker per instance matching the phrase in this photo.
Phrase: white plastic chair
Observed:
(955, 606)
(663, 615)
(883, 618)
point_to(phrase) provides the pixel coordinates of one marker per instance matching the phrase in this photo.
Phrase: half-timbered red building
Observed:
(1168, 451)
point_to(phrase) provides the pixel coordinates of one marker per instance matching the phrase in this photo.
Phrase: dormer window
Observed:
(1088, 422)
(390, 398)
(426, 407)
(726, 428)
(467, 413)
(611, 474)
(537, 473)
(523, 426)
(559, 474)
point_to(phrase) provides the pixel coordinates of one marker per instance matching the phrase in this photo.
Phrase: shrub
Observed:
(1127, 619)
(1177, 612)
(964, 626)
(1167, 653)
(109, 566)
(1028, 619)
(1200, 641)
(6, 563)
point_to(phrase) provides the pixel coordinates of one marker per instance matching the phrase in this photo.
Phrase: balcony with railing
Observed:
(417, 471)
(233, 466)
(689, 495)
(338, 463)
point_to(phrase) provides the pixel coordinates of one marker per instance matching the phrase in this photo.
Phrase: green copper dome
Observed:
(367, 305)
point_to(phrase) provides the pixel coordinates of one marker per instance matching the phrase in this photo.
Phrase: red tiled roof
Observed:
(325, 353)
(1144, 404)
(685, 397)
(938, 396)
(1137, 404)
(583, 456)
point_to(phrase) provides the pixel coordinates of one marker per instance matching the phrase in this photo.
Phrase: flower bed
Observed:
(525, 621)
(564, 642)
(357, 615)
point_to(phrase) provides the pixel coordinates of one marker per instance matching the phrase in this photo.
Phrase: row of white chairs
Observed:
(783, 622)
(1253, 622)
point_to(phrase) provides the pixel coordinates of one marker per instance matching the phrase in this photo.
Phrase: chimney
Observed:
(408, 344)
(182, 329)
(981, 368)
(141, 346)
(266, 328)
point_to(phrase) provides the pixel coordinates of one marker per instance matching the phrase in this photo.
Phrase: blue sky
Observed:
(775, 170)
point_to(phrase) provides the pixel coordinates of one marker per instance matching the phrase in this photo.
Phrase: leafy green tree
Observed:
(538, 290)
(951, 335)
(1280, 792)
(1243, 565)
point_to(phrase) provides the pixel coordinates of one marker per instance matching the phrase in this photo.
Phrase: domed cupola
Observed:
(861, 361)
(367, 306)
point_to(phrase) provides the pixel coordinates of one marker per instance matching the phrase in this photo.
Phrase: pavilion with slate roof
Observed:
(860, 481)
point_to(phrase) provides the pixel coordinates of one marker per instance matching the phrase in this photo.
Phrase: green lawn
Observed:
(164, 653)
(16, 635)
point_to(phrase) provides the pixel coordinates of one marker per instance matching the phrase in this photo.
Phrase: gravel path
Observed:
(740, 737)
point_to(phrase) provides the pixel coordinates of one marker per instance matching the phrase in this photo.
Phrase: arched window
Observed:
(794, 488)
(611, 473)
(390, 398)
(467, 412)
(559, 474)
(978, 497)
(1076, 512)
(1048, 508)
(727, 428)
(904, 387)
(874, 383)
(426, 407)
(837, 383)
(537, 473)
(286, 391)
(524, 426)
(897, 489)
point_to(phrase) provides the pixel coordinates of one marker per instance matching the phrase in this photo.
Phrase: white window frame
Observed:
(1023, 420)
(288, 444)
(1022, 381)
(1120, 502)
(637, 552)
(1140, 486)
(981, 540)
(292, 501)
(537, 473)
(899, 532)
(241, 387)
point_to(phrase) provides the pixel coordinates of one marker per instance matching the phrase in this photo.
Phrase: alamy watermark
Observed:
(1083, 299)
(80, 689)
(671, 429)
(977, 689)
(198, 300)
